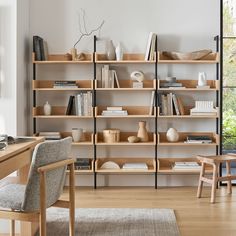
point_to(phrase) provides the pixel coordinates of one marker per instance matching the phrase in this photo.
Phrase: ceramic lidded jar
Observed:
(111, 54)
(172, 135)
(142, 131)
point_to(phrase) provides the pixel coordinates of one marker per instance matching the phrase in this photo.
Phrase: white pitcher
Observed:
(202, 81)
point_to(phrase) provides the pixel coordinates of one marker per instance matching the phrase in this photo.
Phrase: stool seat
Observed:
(215, 161)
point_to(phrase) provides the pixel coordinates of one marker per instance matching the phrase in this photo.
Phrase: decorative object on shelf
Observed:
(110, 165)
(76, 134)
(3, 141)
(133, 139)
(170, 79)
(119, 52)
(196, 55)
(47, 109)
(83, 32)
(202, 80)
(172, 135)
(110, 51)
(142, 131)
(137, 75)
(111, 135)
(135, 166)
(203, 108)
(83, 164)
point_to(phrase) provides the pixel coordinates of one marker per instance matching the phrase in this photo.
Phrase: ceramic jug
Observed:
(142, 131)
(111, 54)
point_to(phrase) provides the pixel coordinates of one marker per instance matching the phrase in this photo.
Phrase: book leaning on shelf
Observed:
(109, 78)
(39, 48)
(151, 47)
(80, 104)
(170, 104)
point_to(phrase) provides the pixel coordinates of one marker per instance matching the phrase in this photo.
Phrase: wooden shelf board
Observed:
(81, 172)
(128, 116)
(62, 117)
(62, 89)
(126, 144)
(187, 62)
(125, 89)
(188, 89)
(186, 144)
(188, 116)
(120, 171)
(82, 144)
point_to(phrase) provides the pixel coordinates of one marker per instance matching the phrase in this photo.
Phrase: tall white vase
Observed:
(119, 52)
(47, 109)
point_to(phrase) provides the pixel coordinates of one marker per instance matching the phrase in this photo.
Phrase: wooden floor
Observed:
(195, 217)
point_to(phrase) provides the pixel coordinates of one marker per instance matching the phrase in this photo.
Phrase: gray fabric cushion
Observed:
(12, 196)
(46, 153)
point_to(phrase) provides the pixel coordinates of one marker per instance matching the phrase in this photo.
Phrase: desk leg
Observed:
(26, 228)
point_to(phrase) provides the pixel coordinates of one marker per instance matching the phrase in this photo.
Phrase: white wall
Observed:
(8, 67)
(183, 25)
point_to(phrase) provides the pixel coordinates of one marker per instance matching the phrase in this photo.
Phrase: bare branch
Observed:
(88, 34)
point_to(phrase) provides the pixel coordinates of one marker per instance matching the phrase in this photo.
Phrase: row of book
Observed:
(181, 165)
(65, 84)
(151, 47)
(39, 48)
(109, 78)
(50, 135)
(80, 104)
(170, 104)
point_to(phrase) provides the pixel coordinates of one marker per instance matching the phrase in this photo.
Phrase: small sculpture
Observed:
(47, 109)
(133, 139)
(142, 131)
(202, 81)
(172, 135)
(137, 75)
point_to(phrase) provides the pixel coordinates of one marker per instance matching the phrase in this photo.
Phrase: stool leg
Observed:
(214, 183)
(202, 172)
(228, 172)
(12, 227)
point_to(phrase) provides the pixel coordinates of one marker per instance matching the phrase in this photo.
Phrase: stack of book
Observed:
(80, 104)
(135, 166)
(50, 135)
(203, 108)
(114, 111)
(83, 164)
(171, 85)
(65, 84)
(39, 48)
(151, 47)
(178, 165)
(109, 78)
(198, 139)
(170, 104)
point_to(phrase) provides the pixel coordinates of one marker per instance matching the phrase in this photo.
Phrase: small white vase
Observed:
(119, 52)
(111, 54)
(47, 109)
(202, 81)
(77, 134)
(172, 135)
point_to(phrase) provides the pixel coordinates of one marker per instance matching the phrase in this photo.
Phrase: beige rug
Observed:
(114, 222)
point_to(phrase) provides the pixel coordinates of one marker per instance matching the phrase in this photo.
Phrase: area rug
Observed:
(113, 222)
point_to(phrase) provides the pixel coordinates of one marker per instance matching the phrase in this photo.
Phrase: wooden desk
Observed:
(17, 157)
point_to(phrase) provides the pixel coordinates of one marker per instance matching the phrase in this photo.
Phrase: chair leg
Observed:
(199, 191)
(228, 172)
(12, 227)
(214, 183)
(72, 200)
(42, 215)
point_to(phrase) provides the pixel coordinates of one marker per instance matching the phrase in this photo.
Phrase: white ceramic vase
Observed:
(47, 109)
(202, 81)
(111, 54)
(77, 134)
(172, 135)
(119, 52)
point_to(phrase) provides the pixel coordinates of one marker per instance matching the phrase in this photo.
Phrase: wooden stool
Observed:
(215, 161)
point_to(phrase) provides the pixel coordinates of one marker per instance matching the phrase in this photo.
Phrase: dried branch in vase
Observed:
(84, 32)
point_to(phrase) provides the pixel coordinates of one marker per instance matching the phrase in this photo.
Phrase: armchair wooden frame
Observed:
(40, 216)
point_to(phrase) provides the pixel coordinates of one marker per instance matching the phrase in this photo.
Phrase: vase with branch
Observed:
(84, 32)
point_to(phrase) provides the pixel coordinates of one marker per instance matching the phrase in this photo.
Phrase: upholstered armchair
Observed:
(43, 189)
